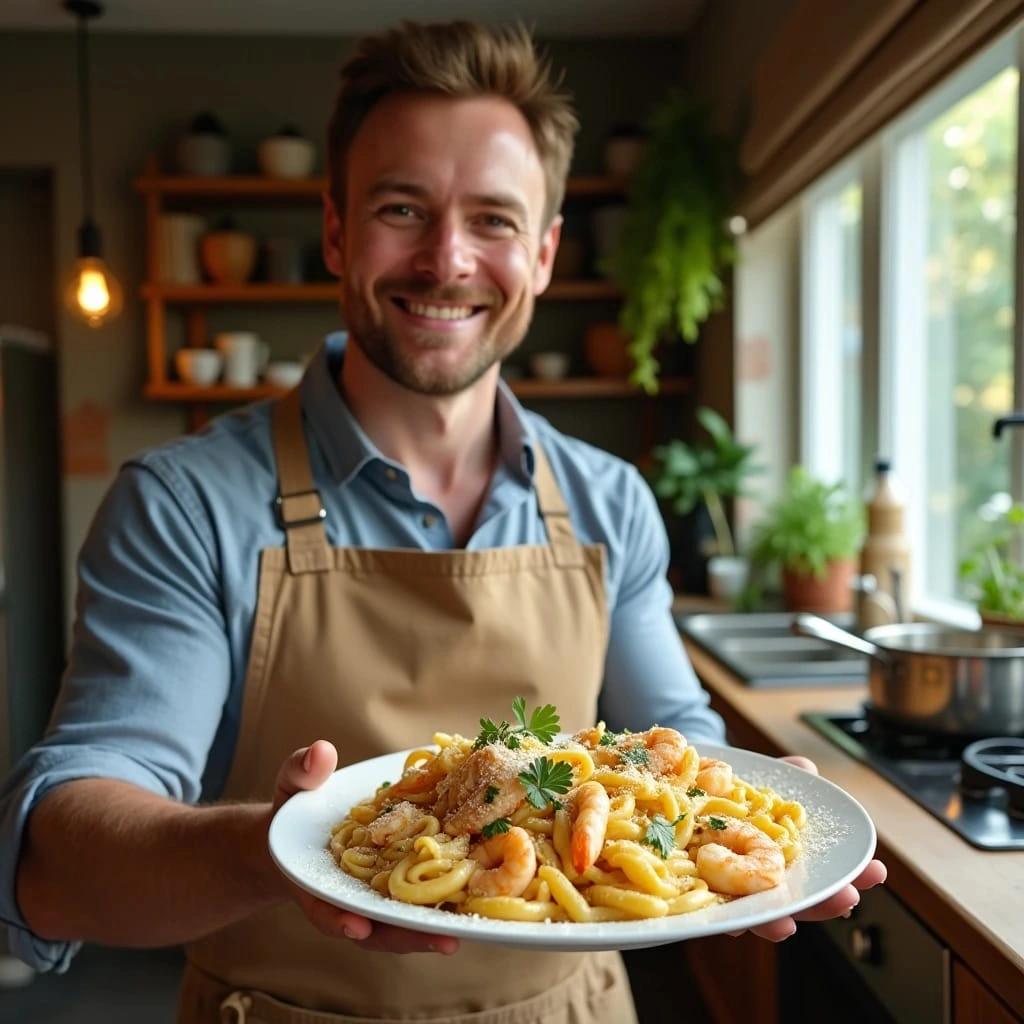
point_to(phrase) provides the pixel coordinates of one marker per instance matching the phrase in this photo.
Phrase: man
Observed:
(395, 548)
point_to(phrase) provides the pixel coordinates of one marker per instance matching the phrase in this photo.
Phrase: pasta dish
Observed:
(523, 824)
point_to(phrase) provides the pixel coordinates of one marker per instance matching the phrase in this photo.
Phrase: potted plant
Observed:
(688, 476)
(997, 575)
(675, 244)
(813, 532)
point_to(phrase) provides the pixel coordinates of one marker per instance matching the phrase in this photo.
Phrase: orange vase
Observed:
(829, 595)
(605, 348)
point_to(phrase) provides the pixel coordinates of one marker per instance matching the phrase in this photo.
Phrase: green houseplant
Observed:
(686, 476)
(996, 574)
(813, 532)
(675, 245)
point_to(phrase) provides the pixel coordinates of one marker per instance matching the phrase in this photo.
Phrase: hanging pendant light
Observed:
(91, 292)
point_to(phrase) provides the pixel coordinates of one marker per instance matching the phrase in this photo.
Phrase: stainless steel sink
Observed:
(760, 650)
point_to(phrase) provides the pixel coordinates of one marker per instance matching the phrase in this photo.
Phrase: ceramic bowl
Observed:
(228, 257)
(549, 365)
(285, 156)
(198, 366)
(283, 373)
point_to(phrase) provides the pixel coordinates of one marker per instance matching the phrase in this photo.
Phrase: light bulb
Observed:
(92, 293)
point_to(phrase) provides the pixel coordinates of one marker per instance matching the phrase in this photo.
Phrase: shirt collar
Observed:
(348, 449)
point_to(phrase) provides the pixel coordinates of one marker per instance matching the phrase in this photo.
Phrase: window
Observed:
(909, 345)
(831, 372)
(949, 180)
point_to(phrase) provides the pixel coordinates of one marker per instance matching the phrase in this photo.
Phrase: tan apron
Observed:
(376, 650)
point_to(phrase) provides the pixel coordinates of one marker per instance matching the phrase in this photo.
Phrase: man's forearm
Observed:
(104, 861)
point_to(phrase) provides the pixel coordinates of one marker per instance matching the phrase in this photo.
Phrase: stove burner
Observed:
(979, 795)
(995, 763)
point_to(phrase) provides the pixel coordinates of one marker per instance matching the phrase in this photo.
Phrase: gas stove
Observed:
(974, 786)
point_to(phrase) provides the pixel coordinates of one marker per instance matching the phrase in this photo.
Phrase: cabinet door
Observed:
(736, 977)
(974, 1003)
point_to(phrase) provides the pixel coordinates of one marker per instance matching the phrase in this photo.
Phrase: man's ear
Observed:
(332, 240)
(546, 256)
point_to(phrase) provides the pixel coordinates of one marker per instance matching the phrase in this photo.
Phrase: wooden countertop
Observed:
(972, 899)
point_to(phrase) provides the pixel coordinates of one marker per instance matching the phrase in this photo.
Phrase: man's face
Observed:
(440, 248)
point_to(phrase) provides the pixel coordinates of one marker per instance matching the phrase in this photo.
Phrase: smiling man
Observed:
(394, 548)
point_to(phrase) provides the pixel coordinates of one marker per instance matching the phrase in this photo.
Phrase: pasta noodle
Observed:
(525, 825)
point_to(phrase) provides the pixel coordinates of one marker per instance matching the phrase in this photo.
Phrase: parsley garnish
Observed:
(661, 834)
(717, 824)
(542, 725)
(496, 827)
(635, 755)
(544, 780)
(695, 791)
(492, 792)
(608, 739)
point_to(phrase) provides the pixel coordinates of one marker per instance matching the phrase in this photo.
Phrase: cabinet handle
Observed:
(866, 945)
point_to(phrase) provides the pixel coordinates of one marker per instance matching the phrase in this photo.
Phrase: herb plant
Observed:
(685, 475)
(676, 245)
(811, 524)
(996, 572)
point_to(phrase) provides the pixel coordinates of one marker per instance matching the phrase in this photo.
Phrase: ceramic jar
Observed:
(286, 155)
(227, 254)
(623, 151)
(204, 151)
(604, 345)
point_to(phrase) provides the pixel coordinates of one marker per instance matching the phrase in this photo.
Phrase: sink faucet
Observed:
(1012, 419)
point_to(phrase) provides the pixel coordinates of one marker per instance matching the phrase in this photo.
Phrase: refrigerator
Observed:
(32, 627)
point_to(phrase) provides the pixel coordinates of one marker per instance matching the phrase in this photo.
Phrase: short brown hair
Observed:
(458, 59)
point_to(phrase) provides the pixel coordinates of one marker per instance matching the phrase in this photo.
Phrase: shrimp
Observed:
(739, 859)
(507, 864)
(415, 783)
(399, 822)
(714, 777)
(666, 749)
(590, 808)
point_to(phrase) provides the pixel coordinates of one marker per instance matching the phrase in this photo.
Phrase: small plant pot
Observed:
(605, 347)
(228, 257)
(829, 595)
(727, 576)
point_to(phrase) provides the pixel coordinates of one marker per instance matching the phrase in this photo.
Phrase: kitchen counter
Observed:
(971, 899)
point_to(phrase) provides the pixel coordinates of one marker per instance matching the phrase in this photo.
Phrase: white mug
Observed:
(244, 354)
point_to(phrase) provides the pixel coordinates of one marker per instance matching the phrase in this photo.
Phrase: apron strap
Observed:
(299, 510)
(553, 510)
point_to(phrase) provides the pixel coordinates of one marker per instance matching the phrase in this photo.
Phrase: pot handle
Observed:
(821, 629)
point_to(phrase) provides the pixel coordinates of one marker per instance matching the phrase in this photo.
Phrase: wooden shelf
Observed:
(527, 388)
(254, 187)
(327, 291)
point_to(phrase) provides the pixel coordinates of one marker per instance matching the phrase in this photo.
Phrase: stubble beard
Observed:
(400, 363)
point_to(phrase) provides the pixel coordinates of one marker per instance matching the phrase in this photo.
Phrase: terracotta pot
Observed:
(605, 348)
(805, 592)
(228, 257)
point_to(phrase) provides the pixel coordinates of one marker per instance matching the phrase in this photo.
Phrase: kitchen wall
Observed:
(145, 90)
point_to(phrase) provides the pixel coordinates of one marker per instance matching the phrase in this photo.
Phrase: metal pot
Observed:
(935, 678)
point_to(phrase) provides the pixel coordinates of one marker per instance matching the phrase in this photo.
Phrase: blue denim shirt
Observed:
(168, 584)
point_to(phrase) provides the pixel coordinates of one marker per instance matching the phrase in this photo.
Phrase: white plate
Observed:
(838, 842)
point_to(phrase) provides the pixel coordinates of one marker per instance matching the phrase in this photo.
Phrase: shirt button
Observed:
(429, 520)
(391, 474)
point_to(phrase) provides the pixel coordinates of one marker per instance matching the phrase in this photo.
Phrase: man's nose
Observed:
(447, 251)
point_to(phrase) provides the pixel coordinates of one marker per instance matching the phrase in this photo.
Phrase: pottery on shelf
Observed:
(204, 151)
(198, 366)
(605, 347)
(228, 255)
(286, 155)
(623, 150)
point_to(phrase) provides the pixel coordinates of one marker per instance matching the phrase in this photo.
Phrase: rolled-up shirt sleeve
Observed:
(147, 676)
(648, 676)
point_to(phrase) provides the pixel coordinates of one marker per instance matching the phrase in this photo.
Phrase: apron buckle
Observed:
(296, 509)
(238, 1002)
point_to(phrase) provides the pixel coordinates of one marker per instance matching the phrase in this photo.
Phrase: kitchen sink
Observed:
(759, 648)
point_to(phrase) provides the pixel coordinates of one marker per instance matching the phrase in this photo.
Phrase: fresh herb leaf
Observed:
(635, 755)
(495, 732)
(661, 834)
(492, 792)
(695, 791)
(384, 785)
(717, 824)
(496, 827)
(544, 780)
(608, 739)
(543, 723)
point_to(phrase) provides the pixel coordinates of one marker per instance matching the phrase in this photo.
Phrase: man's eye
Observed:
(398, 210)
(497, 222)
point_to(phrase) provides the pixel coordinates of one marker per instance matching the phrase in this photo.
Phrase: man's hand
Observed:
(838, 905)
(309, 768)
